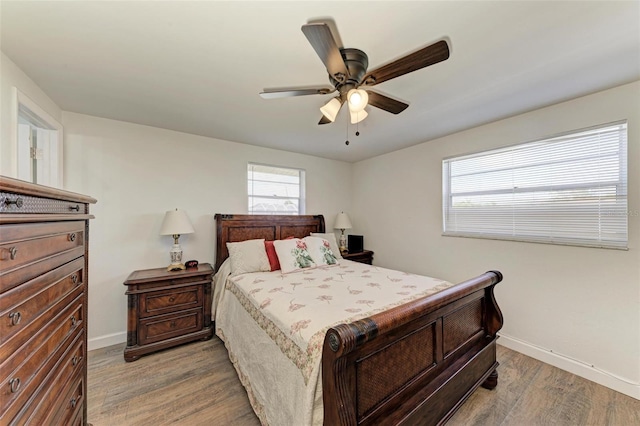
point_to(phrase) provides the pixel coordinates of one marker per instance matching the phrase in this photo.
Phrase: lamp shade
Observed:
(357, 117)
(330, 110)
(176, 222)
(358, 99)
(342, 221)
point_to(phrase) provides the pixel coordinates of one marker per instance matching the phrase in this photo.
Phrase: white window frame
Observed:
(50, 167)
(591, 213)
(301, 189)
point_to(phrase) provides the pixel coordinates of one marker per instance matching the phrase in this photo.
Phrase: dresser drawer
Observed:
(22, 203)
(57, 384)
(22, 245)
(174, 300)
(25, 369)
(68, 404)
(165, 327)
(21, 306)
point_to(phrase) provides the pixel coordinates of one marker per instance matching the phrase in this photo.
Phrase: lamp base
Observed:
(176, 267)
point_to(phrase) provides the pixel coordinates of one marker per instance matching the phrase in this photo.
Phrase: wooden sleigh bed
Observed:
(413, 364)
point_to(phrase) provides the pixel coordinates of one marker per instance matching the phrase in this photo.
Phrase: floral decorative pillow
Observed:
(331, 237)
(248, 256)
(320, 251)
(293, 255)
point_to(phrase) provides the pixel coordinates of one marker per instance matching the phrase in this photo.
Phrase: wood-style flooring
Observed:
(196, 384)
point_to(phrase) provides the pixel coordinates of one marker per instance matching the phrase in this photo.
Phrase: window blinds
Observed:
(570, 189)
(275, 190)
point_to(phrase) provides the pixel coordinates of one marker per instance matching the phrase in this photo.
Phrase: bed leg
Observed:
(492, 381)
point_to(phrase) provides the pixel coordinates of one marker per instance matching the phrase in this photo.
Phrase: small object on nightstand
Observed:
(365, 256)
(191, 264)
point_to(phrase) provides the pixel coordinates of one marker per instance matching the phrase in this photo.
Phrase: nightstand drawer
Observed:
(167, 326)
(164, 302)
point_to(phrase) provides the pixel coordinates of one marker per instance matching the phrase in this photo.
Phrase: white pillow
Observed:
(248, 256)
(293, 255)
(333, 244)
(320, 251)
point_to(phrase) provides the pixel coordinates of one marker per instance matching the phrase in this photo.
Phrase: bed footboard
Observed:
(416, 363)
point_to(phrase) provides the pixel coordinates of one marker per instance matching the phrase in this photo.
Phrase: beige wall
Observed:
(11, 76)
(573, 307)
(138, 172)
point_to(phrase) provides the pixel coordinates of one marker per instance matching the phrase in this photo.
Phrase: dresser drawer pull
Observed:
(15, 318)
(18, 202)
(74, 278)
(75, 208)
(14, 385)
(73, 402)
(172, 299)
(73, 321)
(72, 236)
(75, 360)
(13, 252)
(173, 324)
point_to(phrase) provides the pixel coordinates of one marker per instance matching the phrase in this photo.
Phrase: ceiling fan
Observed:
(348, 74)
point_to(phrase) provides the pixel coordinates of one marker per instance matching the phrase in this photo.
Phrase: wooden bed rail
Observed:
(415, 363)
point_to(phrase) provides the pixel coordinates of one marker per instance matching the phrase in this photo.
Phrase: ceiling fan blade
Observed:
(324, 120)
(322, 41)
(386, 103)
(424, 57)
(285, 92)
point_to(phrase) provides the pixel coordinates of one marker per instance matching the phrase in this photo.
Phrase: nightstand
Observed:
(365, 256)
(167, 309)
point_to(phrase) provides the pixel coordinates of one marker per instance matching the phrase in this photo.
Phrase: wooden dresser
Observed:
(43, 304)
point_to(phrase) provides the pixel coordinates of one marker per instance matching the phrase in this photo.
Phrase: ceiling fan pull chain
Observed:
(347, 141)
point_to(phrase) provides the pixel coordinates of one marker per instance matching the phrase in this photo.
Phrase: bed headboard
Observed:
(240, 227)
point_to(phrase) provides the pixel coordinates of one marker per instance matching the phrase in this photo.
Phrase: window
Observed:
(275, 190)
(38, 139)
(570, 189)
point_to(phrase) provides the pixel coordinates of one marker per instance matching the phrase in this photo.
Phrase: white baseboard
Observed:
(584, 370)
(107, 340)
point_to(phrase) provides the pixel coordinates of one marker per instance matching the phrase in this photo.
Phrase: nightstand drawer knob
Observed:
(72, 236)
(74, 278)
(73, 402)
(172, 299)
(14, 385)
(15, 318)
(74, 321)
(75, 208)
(173, 324)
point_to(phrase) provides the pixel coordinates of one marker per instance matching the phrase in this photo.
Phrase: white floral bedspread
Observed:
(297, 309)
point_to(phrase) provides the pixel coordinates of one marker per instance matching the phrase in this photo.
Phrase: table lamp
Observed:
(342, 222)
(175, 223)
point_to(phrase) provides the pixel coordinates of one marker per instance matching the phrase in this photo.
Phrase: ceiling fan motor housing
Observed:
(357, 63)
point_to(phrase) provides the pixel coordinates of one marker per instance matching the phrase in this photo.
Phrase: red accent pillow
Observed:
(271, 254)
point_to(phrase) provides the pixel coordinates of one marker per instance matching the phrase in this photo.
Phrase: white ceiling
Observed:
(197, 67)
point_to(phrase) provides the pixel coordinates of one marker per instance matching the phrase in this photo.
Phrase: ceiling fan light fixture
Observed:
(331, 108)
(357, 99)
(357, 117)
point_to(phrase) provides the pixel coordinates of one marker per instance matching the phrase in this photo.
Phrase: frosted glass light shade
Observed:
(176, 222)
(357, 117)
(342, 221)
(358, 99)
(331, 108)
